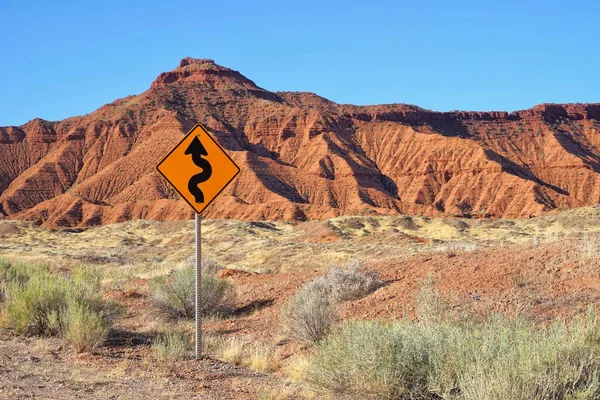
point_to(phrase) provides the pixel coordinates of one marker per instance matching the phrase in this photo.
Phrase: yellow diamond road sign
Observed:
(198, 168)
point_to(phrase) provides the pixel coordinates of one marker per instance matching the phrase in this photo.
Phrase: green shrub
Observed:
(83, 327)
(175, 294)
(371, 360)
(29, 304)
(18, 271)
(172, 346)
(40, 302)
(495, 359)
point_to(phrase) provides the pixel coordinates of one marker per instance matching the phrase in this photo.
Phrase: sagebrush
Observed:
(436, 358)
(38, 301)
(83, 327)
(309, 315)
(175, 294)
(352, 282)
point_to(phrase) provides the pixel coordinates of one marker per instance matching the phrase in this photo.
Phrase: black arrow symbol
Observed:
(197, 150)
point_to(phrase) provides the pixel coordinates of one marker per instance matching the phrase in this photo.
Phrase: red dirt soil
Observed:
(539, 282)
(302, 156)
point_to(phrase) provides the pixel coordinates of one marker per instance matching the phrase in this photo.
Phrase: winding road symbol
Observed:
(196, 150)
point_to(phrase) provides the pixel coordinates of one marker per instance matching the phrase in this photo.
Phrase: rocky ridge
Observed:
(302, 156)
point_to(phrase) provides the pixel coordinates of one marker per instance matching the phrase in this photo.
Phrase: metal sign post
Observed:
(198, 337)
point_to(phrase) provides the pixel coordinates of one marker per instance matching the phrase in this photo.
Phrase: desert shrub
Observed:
(175, 294)
(430, 305)
(453, 248)
(408, 223)
(30, 304)
(372, 360)
(5, 266)
(308, 316)
(41, 302)
(354, 223)
(82, 326)
(8, 228)
(18, 271)
(517, 360)
(350, 283)
(497, 358)
(172, 346)
(209, 266)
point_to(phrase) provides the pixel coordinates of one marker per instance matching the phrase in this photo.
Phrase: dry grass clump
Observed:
(175, 294)
(172, 346)
(589, 248)
(231, 350)
(495, 359)
(453, 248)
(209, 266)
(309, 315)
(37, 301)
(262, 359)
(259, 357)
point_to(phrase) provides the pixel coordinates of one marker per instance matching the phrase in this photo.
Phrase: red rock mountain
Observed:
(302, 156)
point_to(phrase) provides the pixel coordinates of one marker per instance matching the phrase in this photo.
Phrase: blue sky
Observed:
(65, 58)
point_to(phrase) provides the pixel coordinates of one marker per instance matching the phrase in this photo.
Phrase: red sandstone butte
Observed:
(302, 156)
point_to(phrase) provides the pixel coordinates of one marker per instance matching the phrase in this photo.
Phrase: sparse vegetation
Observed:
(210, 267)
(259, 357)
(308, 316)
(38, 301)
(453, 248)
(590, 247)
(507, 274)
(175, 294)
(231, 350)
(296, 368)
(263, 358)
(172, 346)
(430, 305)
(82, 326)
(497, 358)
(351, 283)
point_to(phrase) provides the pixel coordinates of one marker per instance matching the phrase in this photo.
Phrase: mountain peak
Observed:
(196, 61)
(206, 72)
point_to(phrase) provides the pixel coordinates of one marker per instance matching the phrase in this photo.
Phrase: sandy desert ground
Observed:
(539, 267)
